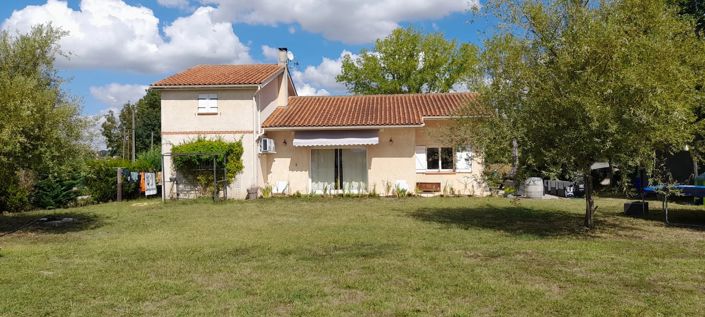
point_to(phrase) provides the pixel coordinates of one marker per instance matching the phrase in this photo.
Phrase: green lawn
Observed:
(386, 257)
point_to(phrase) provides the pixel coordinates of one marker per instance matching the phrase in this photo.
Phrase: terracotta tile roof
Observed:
(203, 75)
(373, 110)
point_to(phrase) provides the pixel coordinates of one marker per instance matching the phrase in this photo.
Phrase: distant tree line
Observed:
(117, 128)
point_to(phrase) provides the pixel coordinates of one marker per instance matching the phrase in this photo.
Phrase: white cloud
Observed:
(179, 4)
(308, 90)
(113, 34)
(321, 76)
(350, 21)
(116, 95)
(270, 54)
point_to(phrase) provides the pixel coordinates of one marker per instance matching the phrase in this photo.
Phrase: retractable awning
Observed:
(336, 137)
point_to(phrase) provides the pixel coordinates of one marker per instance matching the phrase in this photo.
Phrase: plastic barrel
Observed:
(534, 187)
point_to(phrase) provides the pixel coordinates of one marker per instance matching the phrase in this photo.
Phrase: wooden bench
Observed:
(429, 187)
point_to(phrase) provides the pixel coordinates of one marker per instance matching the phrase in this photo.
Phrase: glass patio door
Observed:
(338, 170)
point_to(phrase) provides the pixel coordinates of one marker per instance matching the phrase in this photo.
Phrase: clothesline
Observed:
(147, 180)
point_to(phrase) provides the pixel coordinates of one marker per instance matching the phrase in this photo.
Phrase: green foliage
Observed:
(227, 155)
(150, 161)
(41, 129)
(117, 128)
(694, 9)
(400, 192)
(57, 191)
(16, 194)
(267, 191)
(408, 61)
(584, 81)
(101, 180)
(111, 131)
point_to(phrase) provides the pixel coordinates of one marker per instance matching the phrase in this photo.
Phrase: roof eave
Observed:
(185, 87)
(358, 127)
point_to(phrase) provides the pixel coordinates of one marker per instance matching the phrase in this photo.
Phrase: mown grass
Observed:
(324, 257)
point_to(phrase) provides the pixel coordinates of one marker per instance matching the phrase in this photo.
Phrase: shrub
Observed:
(57, 191)
(17, 190)
(101, 180)
(150, 160)
(227, 155)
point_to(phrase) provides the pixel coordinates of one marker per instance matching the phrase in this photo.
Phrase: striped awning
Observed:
(336, 137)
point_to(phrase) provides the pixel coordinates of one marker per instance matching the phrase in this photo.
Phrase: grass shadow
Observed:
(514, 220)
(678, 217)
(52, 222)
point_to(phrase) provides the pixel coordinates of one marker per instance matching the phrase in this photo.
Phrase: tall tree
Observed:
(696, 10)
(117, 130)
(577, 81)
(110, 129)
(41, 130)
(408, 61)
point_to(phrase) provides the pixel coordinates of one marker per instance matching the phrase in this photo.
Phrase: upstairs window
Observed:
(207, 103)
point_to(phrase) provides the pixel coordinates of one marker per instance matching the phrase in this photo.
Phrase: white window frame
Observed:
(422, 159)
(207, 104)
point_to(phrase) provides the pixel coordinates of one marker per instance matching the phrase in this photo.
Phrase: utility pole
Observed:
(133, 132)
(151, 142)
(123, 137)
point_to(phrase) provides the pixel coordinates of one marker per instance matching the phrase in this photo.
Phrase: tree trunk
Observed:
(515, 157)
(589, 202)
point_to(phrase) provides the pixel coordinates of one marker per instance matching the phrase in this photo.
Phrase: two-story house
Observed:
(311, 144)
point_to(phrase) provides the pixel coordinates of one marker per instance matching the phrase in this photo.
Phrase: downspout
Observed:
(256, 133)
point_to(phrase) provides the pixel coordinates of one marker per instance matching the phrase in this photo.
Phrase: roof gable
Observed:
(370, 110)
(221, 75)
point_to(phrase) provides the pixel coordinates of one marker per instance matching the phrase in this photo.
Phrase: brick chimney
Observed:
(283, 59)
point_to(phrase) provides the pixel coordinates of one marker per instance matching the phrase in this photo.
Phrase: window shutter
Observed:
(463, 160)
(207, 103)
(203, 103)
(420, 158)
(213, 103)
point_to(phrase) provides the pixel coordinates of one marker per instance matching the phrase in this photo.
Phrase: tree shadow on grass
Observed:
(60, 222)
(515, 220)
(678, 217)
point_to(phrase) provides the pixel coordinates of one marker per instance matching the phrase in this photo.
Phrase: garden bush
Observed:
(227, 155)
(101, 180)
(57, 191)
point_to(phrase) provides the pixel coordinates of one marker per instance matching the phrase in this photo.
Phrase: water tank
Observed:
(534, 187)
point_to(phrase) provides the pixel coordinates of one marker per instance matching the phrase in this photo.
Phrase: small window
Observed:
(439, 158)
(208, 103)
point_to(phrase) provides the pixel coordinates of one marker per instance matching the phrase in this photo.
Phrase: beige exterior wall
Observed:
(466, 183)
(392, 160)
(239, 116)
(289, 164)
(180, 111)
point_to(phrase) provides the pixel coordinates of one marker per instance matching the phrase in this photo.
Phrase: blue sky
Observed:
(120, 46)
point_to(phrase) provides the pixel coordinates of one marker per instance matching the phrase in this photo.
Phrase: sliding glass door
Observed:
(338, 170)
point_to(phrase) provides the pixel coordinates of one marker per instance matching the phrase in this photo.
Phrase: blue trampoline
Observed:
(683, 190)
